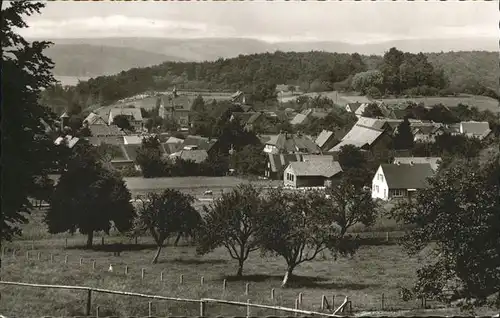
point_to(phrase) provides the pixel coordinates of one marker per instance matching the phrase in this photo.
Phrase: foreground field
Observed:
(373, 271)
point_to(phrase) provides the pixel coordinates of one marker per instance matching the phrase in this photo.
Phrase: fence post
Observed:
(51, 258)
(150, 309)
(248, 307)
(333, 302)
(38, 256)
(142, 273)
(27, 255)
(102, 240)
(66, 243)
(300, 300)
(32, 244)
(81, 260)
(97, 312)
(322, 302)
(272, 293)
(383, 296)
(136, 240)
(202, 308)
(350, 306)
(14, 253)
(202, 280)
(93, 264)
(387, 236)
(126, 269)
(224, 285)
(181, 279)
(161, 276)
(247, 288)
(296, 304)
(66, 259)
(89, 302)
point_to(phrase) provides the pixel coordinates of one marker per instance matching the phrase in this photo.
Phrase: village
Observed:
(297, 159)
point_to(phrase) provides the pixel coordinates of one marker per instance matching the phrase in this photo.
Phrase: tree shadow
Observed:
(298, 281)
(194, 261)
(128, 247)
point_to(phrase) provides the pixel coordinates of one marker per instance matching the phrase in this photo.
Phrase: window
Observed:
(381, 177)
(397, 192)
(385, 193)
(377, 188)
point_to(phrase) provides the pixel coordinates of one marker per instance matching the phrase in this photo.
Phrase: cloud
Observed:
(115, 26)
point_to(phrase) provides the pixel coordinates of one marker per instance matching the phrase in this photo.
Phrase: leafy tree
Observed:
(403, 138)
(373, 111)
(89, 197)
(457, 217)
(149, 158)
(231, 222)
(292, 88)
(363, 81)
(250, 160)
(373, 92)
(164, 214)
(122, 121)
(28, 152)
(298, 227)
(44, 188)
(198, 104)
(355, 166)
(351, 205)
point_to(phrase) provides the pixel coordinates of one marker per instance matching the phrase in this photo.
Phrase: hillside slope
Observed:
(86, 60)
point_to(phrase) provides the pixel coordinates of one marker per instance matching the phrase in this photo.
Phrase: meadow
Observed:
(481, 102)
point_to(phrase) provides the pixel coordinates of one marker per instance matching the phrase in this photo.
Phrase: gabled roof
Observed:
(323, 168)
(132, 140)
(105, 130)
(179, 102)
(202, 142)
(69, 141)
(359, 136)
(361, 109)
(475, 128)
(94, 119)
(174, 140)
(131, 151)
(407, 176)
(353, 106)
(278, 162)
(290, 143)
(298, 119)
(254, 117)
(323, 137)
(433, 161)
(197, 156)
(134, 112)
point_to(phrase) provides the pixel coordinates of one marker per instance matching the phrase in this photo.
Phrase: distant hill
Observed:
(85, 60)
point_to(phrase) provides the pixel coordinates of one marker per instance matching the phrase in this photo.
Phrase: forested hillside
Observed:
(396, 73)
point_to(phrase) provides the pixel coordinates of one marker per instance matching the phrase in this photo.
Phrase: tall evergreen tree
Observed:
(404, 137)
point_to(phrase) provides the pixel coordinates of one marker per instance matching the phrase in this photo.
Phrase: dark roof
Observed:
(242, 117)
(407, 176)
(354, 106)
(180, 102)
(105, 130)
(290, 143)
(246, 108)
(131, 151)
(170, 148)
(280, 161)
(254, 117)
(202, 142)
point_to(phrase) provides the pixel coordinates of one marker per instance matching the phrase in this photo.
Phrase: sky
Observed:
(352, 22)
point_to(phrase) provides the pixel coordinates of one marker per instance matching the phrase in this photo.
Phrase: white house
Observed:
(134, 116)
(317, 172)
(393, 181)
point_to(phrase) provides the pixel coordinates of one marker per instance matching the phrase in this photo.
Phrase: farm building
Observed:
(313, 173)
(299, 119)
(395, 181)
(176, 107)
(197, 156)
(433, 161)
(133, 114)
(475, 129)
(365, 138)
(291, 143)
(326, 140)
(276, 164)
(197, 142)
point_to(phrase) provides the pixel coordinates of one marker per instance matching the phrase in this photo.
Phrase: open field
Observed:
(481, 102)
(373, 271)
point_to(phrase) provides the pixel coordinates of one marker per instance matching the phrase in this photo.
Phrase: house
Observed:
(238, 98)
(433, 161)
(475, 129)
(352, 107)
(290, 143)
(195, 155)
(132, 140)
(94, 119)
(134, 116)
(176, 107)
(299, 119)
(315, 173)
(250, 120)
(202, 143)
(109, 134)
(325, 140)
(67, 140)
(393, 181)
(426, 132)
(276, 164)
(365, 138)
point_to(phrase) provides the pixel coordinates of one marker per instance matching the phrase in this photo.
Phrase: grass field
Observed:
(481, 102)
(378, 268)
